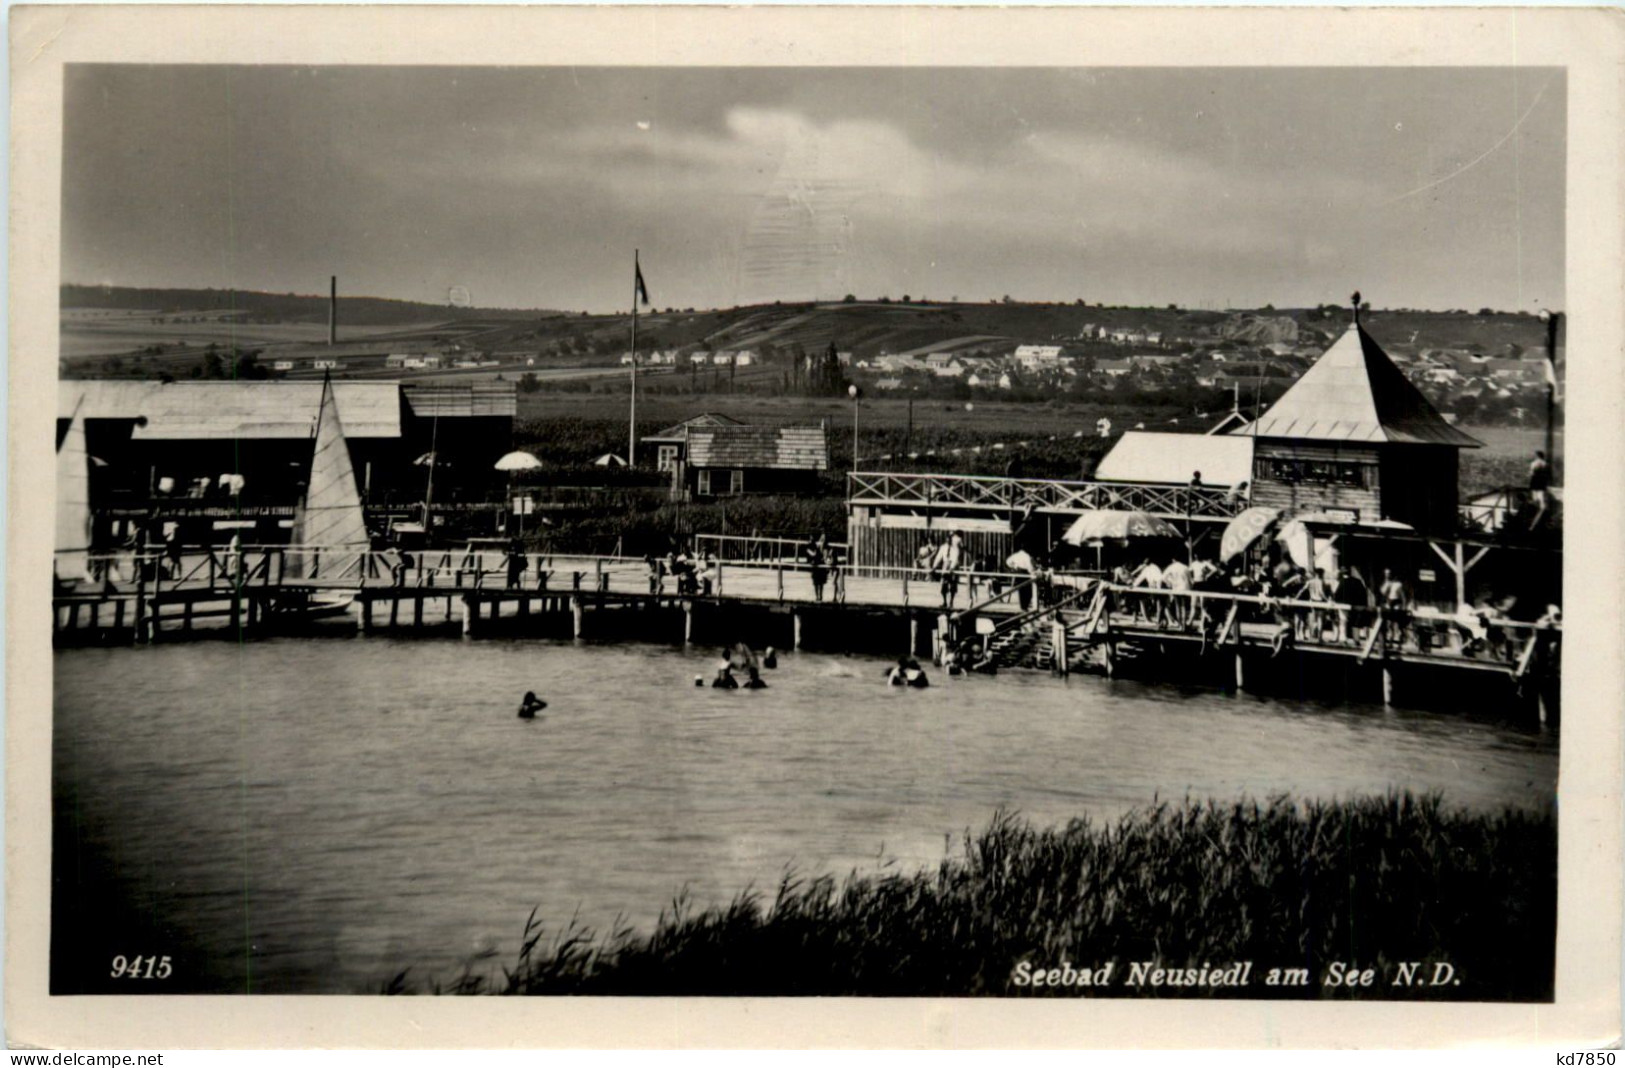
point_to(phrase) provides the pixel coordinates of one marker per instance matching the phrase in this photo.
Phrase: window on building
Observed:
(1319, 472)
(703, 483)
(666, 458)
(736, 481)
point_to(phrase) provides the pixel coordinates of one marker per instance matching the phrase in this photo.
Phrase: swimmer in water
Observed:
(699, 680)
(912, 674)
(755, 681)
(898, 676)
(770, 659)
(531, 705)
(725, 680)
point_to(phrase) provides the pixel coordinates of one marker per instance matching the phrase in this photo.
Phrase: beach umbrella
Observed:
(1109, 523)
(1246, 528)
(518, 461)
(1296, 536)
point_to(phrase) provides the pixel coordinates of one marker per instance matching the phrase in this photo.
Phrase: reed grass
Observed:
(1373, 881)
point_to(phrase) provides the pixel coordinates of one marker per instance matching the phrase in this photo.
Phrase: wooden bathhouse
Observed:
(717, 456)
(1353, 438)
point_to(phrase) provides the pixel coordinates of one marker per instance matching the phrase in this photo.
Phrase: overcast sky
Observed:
(531, 187)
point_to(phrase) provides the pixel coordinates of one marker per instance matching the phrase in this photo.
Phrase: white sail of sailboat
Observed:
(329, 532)
(72, 560)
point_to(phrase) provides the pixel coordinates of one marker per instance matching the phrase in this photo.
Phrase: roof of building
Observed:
(794, 448)
(679, 431)
(1154, 456)
(187, 411)
(1355, 393)
(474, 399)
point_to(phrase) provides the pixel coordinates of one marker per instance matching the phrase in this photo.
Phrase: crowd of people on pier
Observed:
(694, 574)
(1309, 604)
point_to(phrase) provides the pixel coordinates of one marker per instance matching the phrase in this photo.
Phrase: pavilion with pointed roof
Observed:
(1354, 438)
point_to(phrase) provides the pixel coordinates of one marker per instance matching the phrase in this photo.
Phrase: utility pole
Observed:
(852, 391)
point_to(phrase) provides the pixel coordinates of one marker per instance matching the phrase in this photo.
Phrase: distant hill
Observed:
(867, 328)
(102, 321)
(252, 306)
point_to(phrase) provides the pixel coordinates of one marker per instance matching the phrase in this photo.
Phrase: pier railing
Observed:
(1365, 631)
(740, 547)
(991, 493)
(1218, 619)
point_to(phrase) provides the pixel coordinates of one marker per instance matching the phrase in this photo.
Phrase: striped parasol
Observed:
(1245, 529)
(1107, 524)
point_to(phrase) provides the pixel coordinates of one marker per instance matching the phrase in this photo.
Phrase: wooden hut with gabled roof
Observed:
(1354, 438)
(714, 455)
(671, 444)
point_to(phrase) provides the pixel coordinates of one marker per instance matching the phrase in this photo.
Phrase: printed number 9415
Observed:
(150, 967)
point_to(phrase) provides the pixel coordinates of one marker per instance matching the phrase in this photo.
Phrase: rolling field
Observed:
(102, 332)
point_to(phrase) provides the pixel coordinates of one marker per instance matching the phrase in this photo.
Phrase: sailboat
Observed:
(329, 530)
(71, 563)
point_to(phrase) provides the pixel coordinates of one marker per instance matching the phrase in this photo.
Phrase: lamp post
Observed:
(853, 392)
(1190, 506)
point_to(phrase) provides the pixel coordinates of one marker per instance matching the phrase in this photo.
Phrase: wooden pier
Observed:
(1071, 623)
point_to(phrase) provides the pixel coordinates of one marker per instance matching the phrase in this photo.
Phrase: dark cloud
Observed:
(530, 186)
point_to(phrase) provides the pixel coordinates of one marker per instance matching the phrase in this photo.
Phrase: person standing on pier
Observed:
(517, 563)
(1314, 620)
(1395, 607)
(1177, 578)
(172, 549)
(947, 564)
(814, 555)
(925, 559)
(1149, 577)
(1540, 484)
(1354, 604)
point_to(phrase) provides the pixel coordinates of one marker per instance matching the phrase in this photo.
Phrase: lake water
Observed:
(313, 815)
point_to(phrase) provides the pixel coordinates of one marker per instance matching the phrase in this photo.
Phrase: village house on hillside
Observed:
(1037, 357)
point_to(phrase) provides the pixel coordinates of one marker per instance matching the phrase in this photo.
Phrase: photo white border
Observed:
(1589, 43)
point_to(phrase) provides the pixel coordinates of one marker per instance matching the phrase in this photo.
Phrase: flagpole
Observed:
(632, 417)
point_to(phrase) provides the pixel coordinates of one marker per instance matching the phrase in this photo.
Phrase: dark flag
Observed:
(640, 290)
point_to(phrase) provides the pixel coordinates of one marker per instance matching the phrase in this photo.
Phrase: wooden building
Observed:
(1353, 438)
(221, 456)
(669, 447)
(718, 456)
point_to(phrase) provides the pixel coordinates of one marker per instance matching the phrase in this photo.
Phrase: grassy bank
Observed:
(1371, 882)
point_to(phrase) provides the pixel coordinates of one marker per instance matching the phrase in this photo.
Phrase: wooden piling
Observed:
(140, 606)
(471, 611)
(1241, 671)
(1387, 685)
(1058, 657)
(394, 611)
(795, 630)
(688, 622)
(576, 617)
(417, 611)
